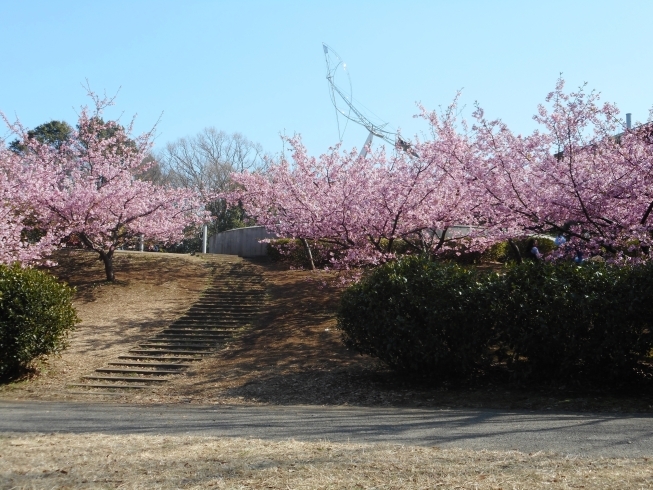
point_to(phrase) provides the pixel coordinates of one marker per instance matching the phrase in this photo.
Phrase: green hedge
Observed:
(545, 320)
(565, 321)
(36, 315)
(419, 316)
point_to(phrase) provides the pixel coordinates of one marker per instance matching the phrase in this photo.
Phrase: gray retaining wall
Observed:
(243, 242)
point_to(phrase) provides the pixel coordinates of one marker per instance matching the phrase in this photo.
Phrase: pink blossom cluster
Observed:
(16, 215)
(581, 174)
(88, 187)
(361, 206)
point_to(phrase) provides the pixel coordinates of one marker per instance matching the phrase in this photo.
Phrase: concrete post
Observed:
(141, 243)
(205, 237)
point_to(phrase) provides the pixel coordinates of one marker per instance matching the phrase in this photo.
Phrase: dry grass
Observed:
(143, 461)
(292, 355)
(151, 291)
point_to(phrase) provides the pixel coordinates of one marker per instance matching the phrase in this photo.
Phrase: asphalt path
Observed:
(621, 435)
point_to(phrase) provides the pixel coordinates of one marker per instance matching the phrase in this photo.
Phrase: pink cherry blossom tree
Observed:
(582, 174)
(362, 206)
(88, 187)
(17, 218)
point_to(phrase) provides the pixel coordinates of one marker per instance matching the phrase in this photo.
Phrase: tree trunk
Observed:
(308, 252)
(515, 249)
(107, 258)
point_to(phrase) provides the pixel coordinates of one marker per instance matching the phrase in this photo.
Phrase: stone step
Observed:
(223, 303)
(156, 341)
(231, 286)
(216, 317)
(235, 299)
(239, 273)
(216, 314)
(221, 310)
(150, 364)
(175, 352)
(212, 326)
(207, 327)
(226, 313)
(234, 290)
(216, 323)
(96, 385)
(195, 334)
(211, 300)
(159, 358)
(189, 348)
(192, 336)
(190, 340)
(200, 331)
(228, 303)
(154, 372)
(229, 298)
(210, 323)
(237, 308)
(128, 379)
(93, 392)
(240, 279)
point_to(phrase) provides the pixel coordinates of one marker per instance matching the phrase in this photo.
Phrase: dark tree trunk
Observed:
(107, 258)
(308, 252)
(515, 249)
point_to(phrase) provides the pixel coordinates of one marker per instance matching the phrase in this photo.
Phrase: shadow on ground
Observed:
(294, 355)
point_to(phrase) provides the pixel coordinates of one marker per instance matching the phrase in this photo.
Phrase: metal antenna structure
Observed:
(340, 91)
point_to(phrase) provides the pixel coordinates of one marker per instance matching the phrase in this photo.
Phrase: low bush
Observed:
(36, 315)
(419, 316)
(559, 320)
(547, 321)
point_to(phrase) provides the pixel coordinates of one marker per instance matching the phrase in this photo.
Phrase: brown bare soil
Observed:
(294, 355)
(151, 291)
(146, 461)
(291, 355)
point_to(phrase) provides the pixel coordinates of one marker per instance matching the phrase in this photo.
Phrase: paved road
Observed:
(584, 434)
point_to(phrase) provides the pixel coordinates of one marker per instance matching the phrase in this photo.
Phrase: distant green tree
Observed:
(53, 133)
(227, 217)
(205, 163)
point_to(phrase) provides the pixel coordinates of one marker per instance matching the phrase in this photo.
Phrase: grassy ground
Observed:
(292, 355)
(144, 461)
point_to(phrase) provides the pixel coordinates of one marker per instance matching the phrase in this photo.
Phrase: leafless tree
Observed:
(205, 161)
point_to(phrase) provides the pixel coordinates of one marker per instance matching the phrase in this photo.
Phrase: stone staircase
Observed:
(230, 303)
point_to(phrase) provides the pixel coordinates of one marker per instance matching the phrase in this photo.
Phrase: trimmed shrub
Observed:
(36, 315)
(559, 320)
(548, 321)
(419, 316)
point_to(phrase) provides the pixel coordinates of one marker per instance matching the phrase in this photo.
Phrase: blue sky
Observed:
(258, 67)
